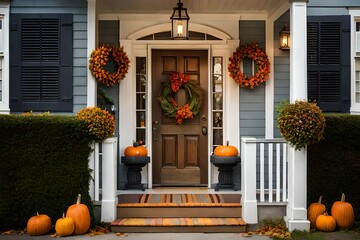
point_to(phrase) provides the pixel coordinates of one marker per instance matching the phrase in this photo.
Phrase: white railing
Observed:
(264, 174)
(107, 152)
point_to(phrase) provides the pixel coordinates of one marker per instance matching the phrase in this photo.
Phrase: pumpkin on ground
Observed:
(38, 225)
(64, 226)
(343, 213)
(315, 210)
(226, 151)
(80, 214)
(135, 150)
(325, 223)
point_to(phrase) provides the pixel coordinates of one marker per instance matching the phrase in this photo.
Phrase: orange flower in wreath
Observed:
(260, 59)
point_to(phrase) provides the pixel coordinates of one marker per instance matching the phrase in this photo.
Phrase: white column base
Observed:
(108, 210)
(301, 225)
(249, 212)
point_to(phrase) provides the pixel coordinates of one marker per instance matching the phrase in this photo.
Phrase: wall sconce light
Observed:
(180, 22)
(284, 38)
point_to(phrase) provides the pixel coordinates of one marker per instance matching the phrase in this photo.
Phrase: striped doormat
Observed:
(155, 222)
(156, 200)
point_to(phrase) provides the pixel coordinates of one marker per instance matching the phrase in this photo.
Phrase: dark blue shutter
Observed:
(41, 62)
(328, 42)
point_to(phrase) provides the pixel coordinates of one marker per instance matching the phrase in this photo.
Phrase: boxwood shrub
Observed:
(43, 167)
(334, 163)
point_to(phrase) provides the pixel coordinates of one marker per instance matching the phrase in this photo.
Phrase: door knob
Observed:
(204, 130)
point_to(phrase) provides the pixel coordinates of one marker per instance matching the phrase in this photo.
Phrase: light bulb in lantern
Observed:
(180, 28)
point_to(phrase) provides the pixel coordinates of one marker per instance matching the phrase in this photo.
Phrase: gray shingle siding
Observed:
(79, 10)
(252, 102)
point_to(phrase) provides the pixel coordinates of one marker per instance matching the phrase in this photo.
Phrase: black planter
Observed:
(135, 165)
(225, 166)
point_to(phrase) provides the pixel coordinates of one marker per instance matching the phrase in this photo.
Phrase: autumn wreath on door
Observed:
(171, 107)
(262, 66)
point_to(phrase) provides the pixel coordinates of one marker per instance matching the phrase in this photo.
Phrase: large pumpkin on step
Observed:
(38, 225)
(315, 210)
(64, 226)
(343, 213)
(226, 151)
(325, 223)
(80, 214)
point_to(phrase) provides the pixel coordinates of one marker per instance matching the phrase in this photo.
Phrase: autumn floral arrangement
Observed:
(99, 59)
(301, 123)
(101, 123)
(261, 60)
(170, 106)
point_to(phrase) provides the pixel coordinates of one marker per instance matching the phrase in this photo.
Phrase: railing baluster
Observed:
(97, 172)
(278, 172)
(284, 172)
(270, 157)
(262, 173)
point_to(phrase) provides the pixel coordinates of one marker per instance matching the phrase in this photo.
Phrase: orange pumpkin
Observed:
(343, 213)
(64, 226)
(325, 223)
(131, 151)
(315, 210)
(135, 150)
(226, 151)
(38, 225)
(80, 214)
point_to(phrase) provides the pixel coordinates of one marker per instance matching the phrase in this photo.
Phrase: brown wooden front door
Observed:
(179, 151)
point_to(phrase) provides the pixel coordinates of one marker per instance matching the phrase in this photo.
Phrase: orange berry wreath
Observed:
(170, 106)
(261, 60)
(101, 56)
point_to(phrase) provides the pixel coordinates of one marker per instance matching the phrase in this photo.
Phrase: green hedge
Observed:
(43, 167)
(334, 163)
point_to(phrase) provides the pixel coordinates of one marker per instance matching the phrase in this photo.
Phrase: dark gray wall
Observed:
(109, 34)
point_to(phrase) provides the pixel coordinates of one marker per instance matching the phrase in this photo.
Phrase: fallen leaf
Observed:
(121, 235)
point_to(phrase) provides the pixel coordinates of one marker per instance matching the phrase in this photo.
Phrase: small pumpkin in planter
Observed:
(64, 226)
(226, 151)
(80, 214)
(136, 150)
(315, 210)
(38, 225)
(326, 223)
(343, 213)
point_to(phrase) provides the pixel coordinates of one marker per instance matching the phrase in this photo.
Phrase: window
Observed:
(141, 99)
(41, 62)
(328, 41)
(217, 101)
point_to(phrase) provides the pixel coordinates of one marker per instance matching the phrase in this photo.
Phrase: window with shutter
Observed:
(41, 62)
(328, 59)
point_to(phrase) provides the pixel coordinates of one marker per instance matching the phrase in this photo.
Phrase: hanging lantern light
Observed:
(284, 38)
(180, 22)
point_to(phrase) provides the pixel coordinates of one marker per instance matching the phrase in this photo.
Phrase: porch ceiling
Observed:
(193, 6)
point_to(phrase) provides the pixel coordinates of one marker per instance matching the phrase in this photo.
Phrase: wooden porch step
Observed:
(214, 224)
(179, 211)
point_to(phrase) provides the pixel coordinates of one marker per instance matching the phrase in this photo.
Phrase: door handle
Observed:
(155, 133)
(204, 130)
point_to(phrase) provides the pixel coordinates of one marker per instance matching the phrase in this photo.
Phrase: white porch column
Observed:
(5, 63)
(248, 180)
(109, 177)
(91, 45)
(296, 210)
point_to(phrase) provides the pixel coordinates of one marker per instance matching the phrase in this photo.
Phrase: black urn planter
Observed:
(135, 165)
(225, 166)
